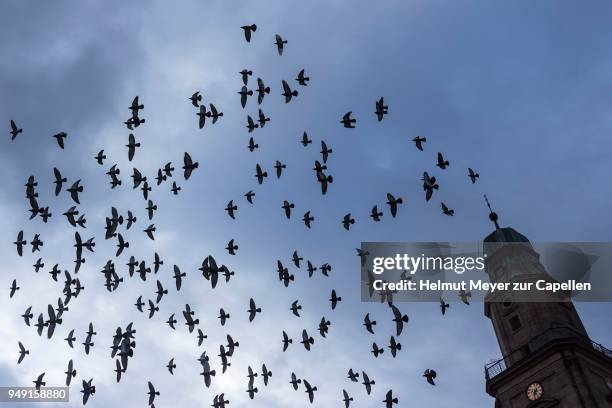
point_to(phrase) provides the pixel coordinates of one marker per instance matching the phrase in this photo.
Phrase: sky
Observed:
(519, 91)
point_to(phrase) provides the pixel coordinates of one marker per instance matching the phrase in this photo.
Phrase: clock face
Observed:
(534, 392)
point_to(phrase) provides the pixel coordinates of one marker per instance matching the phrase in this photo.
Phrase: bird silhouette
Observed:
(307, 341)
(244, 94)
(472, 175)
(279, 168)
(310, 390)
(308, 219)
(347, 221)
(390, 400)
(302, 78)
(430, 375)
(22, 352)
(70, 373)
(15, 130)
(369, 324)
(393, 203)
(14, 288)
(305, 140)
(262, 90)
(346, 399)
(325, 151)
(248, 31)
(295, 382)
(253, 310)
(394, 346)
(195, 99)
(443, 306)
(260, 174)
(367, 382)
(152, 393)
(100, 157)
(265, 374)
(280, 44)
(286, 341)
(381, 109)
(245, 74)
(287, 206)
(288, 93)
(446, 210)
(262, 119)
(59, 180)
(377, 350)
(189, 165)
(443, 164)
(39, 381)
(334, 299)
(418, 141)
(399, 319)
(59, 137)
(347, 121)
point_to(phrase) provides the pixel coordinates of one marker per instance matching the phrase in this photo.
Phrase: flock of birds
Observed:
(116, 226)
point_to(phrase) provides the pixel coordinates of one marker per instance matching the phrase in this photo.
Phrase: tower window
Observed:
(515, 323)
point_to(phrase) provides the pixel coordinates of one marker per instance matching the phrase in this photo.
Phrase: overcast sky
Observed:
(519, 91)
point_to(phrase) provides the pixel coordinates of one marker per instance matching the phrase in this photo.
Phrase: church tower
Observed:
(548, 359)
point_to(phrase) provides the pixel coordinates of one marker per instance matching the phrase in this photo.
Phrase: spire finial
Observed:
(492, 214)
